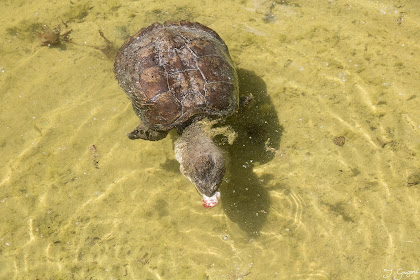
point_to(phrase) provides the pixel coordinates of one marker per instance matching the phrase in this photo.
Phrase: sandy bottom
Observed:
(323, 180)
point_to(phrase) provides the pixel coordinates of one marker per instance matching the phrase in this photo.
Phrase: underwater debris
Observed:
(109, 49)
(269, 17)
(94, 155)
(413, 179)
(55, 36)
(339, 141)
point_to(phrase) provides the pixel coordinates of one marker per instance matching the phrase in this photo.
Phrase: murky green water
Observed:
(295, 204)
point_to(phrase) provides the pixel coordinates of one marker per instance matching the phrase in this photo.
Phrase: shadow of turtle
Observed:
(245, 200)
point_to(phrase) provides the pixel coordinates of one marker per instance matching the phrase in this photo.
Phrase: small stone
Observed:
(413, 179)
(339, 141)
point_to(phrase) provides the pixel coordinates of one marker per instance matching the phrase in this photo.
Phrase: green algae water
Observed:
(323, 178)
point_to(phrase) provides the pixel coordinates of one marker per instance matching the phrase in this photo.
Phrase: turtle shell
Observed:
(174, 71)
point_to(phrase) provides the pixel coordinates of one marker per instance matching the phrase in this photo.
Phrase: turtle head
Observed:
(205, 171)
(207, 174)
(202, 162)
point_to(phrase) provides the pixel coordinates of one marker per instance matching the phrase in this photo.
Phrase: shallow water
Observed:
(79, 200)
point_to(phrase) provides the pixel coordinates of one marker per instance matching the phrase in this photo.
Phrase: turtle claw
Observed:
(141, 132)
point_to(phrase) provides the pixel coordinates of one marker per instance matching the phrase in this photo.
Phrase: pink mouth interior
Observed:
(210, 202)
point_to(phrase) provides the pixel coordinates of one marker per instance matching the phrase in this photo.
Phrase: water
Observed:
(78, 200)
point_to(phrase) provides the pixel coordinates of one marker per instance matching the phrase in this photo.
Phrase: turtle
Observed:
(180, 75)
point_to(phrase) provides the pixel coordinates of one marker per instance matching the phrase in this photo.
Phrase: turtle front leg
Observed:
(142, 132)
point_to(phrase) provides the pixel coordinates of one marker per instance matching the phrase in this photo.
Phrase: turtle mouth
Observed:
(211, 201)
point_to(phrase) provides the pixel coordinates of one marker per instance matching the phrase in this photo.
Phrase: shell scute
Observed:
(153, 82)
(184, 83)
(215, 101)
(215, 69)
(202, 47)
(164, 111)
